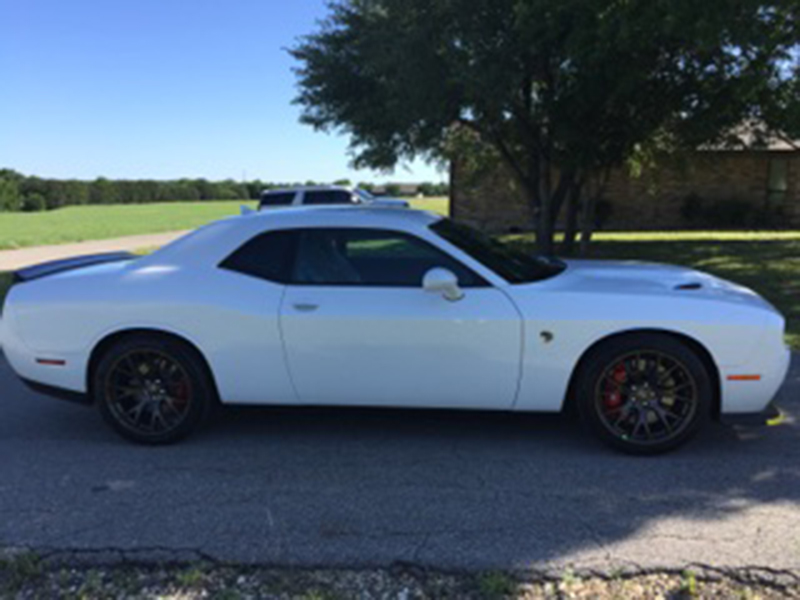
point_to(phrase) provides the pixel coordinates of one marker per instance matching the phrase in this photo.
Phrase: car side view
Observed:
(392, 308)
(325, 195)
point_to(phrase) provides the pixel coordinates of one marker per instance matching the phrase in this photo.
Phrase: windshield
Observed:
(512, 265)
(364, 195)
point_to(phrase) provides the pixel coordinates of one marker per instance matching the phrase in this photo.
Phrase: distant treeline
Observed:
(24, 193)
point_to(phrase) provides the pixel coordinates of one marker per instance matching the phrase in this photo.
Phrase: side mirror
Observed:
(444, 282)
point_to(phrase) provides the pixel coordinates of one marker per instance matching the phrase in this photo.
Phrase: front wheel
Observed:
(152, 390)
(644, 393)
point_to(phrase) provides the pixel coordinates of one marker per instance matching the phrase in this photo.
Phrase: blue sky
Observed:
(162, 89)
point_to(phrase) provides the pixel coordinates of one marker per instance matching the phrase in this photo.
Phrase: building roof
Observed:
(757, 137)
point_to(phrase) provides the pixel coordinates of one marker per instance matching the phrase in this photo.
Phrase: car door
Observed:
(360, 330)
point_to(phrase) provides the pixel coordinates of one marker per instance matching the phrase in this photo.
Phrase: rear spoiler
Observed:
(69, 264)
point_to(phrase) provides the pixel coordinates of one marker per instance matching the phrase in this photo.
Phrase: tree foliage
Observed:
(562, 90)
(27, 193)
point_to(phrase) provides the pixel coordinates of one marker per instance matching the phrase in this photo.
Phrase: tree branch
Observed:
(526, 180)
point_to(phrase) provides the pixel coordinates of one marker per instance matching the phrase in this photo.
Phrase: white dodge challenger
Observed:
(391, 308)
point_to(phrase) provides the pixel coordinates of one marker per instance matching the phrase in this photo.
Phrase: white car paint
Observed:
(502, 347)
(403, 346)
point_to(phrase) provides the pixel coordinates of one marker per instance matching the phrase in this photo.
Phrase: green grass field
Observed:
(80, 223)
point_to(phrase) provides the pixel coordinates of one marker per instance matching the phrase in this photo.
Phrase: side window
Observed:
(371, 258)
(281, 199)
(268, 256)
(328, 197)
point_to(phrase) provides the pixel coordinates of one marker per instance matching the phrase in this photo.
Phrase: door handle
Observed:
(306, 307)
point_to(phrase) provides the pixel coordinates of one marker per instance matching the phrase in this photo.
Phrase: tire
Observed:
(644, 394)
(152, 390)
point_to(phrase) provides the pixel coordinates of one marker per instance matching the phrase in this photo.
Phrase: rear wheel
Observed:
(152, 390)
(644, 393)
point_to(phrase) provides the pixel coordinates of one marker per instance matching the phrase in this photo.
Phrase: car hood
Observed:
(641, 278)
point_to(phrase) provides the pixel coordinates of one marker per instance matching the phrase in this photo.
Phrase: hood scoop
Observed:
(689, 287)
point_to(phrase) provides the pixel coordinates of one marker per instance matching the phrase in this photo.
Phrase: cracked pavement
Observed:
(359, 488)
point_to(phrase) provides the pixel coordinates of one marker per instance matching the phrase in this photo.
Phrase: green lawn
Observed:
(80, 223)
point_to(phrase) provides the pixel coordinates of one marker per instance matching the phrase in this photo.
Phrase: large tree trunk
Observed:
(545, 225)
(587, 223)
(571, 224)
(544, 229)
(588, 217)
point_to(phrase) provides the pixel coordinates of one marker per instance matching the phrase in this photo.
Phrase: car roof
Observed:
(342, 215)
(308, 188)
(211, 242)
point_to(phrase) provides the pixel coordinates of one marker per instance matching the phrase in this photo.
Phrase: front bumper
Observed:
(770, 416)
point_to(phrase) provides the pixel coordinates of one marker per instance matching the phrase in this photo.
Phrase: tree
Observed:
(33, 203)
(392, 189)
(366, 186)
(103, 191)
(562, 91)
(427, 189)
(433, 189)
(10, 199)
(254, 189)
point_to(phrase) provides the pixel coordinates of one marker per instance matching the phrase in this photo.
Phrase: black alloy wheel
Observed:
(152, 390)
(644, 393)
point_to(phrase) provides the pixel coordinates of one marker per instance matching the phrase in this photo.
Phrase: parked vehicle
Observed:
(325, 195)
(391, 308)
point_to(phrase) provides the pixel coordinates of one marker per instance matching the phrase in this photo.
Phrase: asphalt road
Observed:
(371, 488)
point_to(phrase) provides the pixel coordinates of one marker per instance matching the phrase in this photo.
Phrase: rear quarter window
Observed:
(268, 256)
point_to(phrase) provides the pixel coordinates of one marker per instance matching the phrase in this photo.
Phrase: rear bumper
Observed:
(770, 416)
(57, 392)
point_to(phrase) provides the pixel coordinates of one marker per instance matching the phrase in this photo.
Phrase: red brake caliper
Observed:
(613, 396)
(181, 394)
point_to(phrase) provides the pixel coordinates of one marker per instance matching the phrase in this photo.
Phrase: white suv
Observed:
(324, 195)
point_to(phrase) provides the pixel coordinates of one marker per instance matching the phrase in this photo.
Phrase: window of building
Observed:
(778, 184)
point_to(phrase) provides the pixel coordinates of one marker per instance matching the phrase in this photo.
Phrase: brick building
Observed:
(746, 188)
